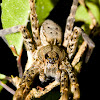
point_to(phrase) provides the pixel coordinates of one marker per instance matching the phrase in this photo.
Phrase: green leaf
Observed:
(2, 76)
(95, 10)
(14, 12)
(43, 8)
(82, 15)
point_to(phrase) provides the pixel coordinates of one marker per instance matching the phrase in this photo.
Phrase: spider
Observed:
(49, 55)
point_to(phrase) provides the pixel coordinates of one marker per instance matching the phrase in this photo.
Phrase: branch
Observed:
(7, 88)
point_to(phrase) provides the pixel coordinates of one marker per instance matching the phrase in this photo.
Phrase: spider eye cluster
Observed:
(51, 57)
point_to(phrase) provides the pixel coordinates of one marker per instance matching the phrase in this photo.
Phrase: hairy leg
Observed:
(71, 36)
(34, 23)
(29, 45)
(73, 81)
(72, 45)
(69, 25)
(26, 81)
(64, 86)
(38, 93)
(87, 43)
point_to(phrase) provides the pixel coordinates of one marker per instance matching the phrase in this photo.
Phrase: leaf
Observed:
(15, 12)
(2, 76)
(43, 8)
(82, 15)
(95, 10)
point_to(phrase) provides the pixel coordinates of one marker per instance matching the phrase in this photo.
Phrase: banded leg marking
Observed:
(64, 86)
(87, 43)
(72, 45)
(34, 22)
(27, 39)
(69, 23)
(73, 81)
(24, 86)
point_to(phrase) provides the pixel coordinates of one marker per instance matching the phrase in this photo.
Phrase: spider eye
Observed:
(46, 56)
(57, 56)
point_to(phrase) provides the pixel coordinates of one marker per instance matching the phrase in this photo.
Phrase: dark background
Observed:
(89, 75)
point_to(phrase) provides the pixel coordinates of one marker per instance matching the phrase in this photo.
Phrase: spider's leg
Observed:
(72, 45)
(79, 54)
(38, 93)
(28, 44)
(27, 80)
(34, 23)
(69, 24)
(87, 43)
(64, 86)
(74, 85)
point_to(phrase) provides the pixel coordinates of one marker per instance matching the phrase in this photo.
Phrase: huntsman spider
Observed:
(49, 55)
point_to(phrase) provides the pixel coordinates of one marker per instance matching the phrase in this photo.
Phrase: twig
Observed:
(19, 66)
(7, 88)
(13, 29)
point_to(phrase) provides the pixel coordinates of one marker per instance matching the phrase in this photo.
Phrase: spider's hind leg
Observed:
(87, 43)
(69, 35)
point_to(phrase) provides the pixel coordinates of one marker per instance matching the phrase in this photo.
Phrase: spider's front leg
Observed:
(73, 81)
(64, 86)
(28, 42)
(34, 93)
(34, 23)
(26, 81)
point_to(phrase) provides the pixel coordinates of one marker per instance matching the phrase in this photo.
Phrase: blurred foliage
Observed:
(2, 76)
(83, 14)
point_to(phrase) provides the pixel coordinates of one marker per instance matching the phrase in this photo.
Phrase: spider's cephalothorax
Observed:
(48, 58)
(52, 56)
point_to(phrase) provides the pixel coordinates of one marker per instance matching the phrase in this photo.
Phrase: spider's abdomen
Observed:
(50, 33)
